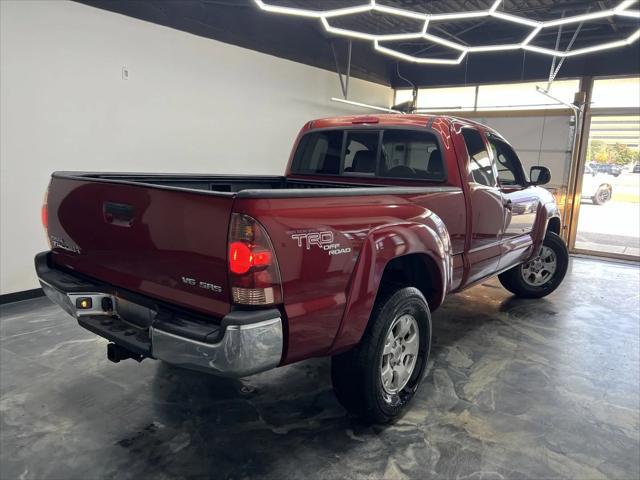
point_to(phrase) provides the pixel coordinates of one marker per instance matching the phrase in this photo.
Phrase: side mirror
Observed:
(539, 175)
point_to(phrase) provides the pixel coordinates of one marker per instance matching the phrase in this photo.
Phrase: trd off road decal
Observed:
(322, 240)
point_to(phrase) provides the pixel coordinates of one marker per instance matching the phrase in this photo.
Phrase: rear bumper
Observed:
(244, 343)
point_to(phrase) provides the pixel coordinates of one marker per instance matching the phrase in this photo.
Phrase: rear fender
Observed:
(383, 244)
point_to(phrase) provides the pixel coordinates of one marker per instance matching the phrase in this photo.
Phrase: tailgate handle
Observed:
(119, 214)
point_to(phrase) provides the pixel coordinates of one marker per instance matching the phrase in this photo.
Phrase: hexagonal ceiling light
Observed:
(371, 6)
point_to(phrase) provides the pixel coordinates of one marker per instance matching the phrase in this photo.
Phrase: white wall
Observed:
(191, 105)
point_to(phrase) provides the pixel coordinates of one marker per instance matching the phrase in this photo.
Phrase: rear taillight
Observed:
(253, 268)
(44, 212)
(44, 215)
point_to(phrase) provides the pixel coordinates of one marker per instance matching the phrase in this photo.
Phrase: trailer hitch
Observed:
(115, 353)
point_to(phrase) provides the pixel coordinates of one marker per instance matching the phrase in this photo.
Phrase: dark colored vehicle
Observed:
(607, 168)
(636, 168)
(377, 219)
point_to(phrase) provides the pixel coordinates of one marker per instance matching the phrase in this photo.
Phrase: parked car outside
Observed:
(608, 168)
(595, 187)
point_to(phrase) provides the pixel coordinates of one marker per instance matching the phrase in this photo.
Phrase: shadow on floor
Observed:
(515, 388)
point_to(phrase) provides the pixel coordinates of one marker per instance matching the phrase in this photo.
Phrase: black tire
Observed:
(356, 373)
(514, 281)
(602, 196)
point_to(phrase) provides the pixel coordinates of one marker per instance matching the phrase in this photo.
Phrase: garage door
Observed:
(543, 140)
(540, 140)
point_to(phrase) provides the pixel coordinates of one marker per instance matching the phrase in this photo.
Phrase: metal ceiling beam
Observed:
(344, 80)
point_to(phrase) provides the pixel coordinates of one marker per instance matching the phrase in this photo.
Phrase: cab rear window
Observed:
(319, 153)
(393, 153)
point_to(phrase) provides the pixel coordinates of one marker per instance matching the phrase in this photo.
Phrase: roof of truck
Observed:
(418, 120)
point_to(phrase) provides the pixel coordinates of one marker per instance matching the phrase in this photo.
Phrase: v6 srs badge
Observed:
(323, 240)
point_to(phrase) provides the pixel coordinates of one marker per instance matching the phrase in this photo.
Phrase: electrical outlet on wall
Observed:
(125, 73)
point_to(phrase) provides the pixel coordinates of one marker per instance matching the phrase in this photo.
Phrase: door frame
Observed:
(578, 162)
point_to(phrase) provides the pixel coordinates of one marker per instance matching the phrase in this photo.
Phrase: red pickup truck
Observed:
(376, 219)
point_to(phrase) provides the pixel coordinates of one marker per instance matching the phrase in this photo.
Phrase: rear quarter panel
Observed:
(317, 284)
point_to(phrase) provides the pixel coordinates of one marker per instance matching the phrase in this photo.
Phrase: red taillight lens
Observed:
(44, 211)
(44, 216)
(242, 258)
(254, 273)
(239, 258)
(261, 259)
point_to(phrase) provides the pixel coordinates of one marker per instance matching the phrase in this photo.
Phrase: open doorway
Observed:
(609, 215)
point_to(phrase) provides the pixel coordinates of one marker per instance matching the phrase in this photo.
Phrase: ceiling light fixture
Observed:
(624, 5)
(495, 6)
(411, 58)
(372, 6)
(629, 13)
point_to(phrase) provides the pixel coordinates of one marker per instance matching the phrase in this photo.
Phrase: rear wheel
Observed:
(377, 379)
(602, 196)
(542, 274)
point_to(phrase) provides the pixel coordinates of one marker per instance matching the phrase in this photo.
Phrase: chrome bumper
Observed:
(245, 342)
(243, 350)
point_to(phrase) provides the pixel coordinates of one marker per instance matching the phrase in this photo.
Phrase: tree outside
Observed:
(614, 153)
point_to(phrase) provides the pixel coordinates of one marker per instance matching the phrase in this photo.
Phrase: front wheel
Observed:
(602, 196)
(542, 274)
(377, 379)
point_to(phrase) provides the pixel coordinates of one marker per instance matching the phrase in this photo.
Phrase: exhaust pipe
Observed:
(115, 353)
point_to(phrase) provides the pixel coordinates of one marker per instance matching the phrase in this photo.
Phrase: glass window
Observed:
(606, 131)
(524, 96)
(411, 154)
(406, 154)
(319, 153)
(507, 162)
(403, 95)
(446, 99)
(481, 169)
(616, 92)
(361, 152)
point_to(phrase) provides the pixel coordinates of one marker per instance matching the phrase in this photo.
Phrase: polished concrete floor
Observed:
(516, 389)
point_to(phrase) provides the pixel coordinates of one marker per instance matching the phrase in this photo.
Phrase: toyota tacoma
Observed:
(375, 221)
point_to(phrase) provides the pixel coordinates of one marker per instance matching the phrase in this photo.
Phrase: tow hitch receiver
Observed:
(115, 353)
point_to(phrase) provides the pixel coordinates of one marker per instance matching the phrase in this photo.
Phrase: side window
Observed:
(481, 168)
(411, 154)
(361, 152)
(319, 153)
(509, 167)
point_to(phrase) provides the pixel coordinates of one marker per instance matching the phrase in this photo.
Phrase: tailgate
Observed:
(169, 244)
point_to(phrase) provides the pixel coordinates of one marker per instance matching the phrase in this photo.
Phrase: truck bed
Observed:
(246, 185)
(210, 183)
(155, 234)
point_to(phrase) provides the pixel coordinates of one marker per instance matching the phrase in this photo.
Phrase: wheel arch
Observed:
(554, 225)
(548, 220)
(410, 254)
(417, 270)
